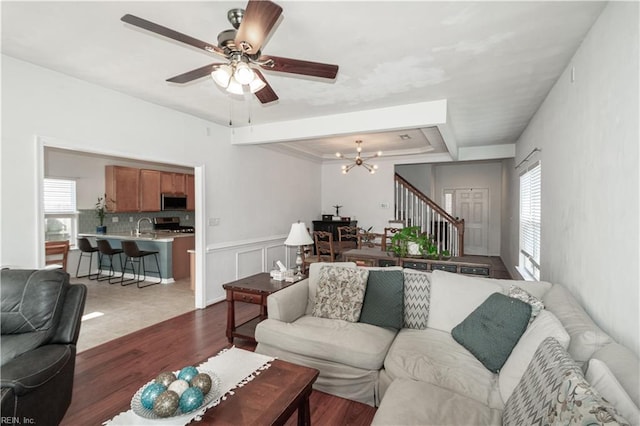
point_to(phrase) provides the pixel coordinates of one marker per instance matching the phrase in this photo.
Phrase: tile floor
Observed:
(129, 308)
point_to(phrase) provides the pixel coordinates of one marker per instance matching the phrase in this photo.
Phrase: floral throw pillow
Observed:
(521, 294)
(580, 404)
(340, 293)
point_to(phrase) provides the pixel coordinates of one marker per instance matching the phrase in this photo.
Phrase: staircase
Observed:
(413, 208)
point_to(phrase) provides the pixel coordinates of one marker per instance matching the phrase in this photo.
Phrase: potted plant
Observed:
(101, 211)
(410, 241)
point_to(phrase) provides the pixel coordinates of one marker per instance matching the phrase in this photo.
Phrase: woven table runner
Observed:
(235, 367)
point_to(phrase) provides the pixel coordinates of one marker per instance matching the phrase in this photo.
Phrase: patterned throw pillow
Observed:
(417, 290)
(521, 294)
(578, 403)
(340, 293)
(545, 394)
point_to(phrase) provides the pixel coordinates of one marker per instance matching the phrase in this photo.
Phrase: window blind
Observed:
(530, 214)
(59, 196)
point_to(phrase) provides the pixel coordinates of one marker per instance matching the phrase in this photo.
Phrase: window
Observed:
(447, 200)
(530, 186)
(60, 213)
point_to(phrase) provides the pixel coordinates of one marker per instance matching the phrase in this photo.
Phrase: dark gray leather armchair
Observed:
(40, 320)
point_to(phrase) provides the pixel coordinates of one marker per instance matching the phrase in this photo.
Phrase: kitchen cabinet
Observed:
(150, 182)
(190, 183)
(122, 188)
(172, 183)
(181, 260)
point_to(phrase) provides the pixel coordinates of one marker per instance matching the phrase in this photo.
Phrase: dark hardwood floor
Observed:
(108, 375)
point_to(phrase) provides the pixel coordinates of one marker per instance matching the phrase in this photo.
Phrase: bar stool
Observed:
(134, 254)
(86, 248)
(105, 249)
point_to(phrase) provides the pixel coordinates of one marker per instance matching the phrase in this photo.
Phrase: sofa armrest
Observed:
(289, 304)
(69, 325)
(35, 368)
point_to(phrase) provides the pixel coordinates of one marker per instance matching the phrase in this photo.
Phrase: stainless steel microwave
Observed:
(173, 202)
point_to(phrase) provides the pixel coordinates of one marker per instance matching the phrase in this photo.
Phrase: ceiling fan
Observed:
(241, 47)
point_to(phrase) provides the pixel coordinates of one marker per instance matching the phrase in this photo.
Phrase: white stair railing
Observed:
(413, 208)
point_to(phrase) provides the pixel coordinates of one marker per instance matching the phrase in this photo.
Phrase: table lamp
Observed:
(298, 237)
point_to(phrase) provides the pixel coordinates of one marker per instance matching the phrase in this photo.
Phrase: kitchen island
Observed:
(171, 247)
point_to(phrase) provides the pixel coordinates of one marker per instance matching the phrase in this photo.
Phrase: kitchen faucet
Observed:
(140, 220)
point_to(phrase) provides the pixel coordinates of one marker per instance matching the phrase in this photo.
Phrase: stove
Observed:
(171, 224)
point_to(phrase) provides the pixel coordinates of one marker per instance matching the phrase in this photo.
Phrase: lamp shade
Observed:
(298, 235)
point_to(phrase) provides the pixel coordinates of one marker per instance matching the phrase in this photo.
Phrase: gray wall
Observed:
(588, 132)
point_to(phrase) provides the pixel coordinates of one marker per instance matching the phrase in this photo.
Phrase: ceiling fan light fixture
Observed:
(243, 73)
(222, 75)
(256, 85)
(235, 87)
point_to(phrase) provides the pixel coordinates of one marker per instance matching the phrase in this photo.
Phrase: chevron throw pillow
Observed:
(417, 291)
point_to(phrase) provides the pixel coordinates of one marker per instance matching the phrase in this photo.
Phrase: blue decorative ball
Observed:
(188, 373)
(191, 399)
(150, 393)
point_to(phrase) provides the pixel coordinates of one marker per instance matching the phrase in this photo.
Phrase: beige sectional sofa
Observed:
(417, 372)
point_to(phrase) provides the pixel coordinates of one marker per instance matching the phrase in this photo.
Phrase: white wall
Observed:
(475, 175)
(588, 133)
(420, 176)
(76, 115)
(360, 193)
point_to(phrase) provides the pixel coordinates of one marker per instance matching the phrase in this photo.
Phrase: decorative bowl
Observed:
(140, 410)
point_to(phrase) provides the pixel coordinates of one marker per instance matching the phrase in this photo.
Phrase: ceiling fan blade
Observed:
(172, 34)
(266, 94)
(259, 18)
(193, 74)
(296, 66)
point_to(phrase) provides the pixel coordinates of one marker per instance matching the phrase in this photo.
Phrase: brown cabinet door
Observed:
(173, 183)
(121, 186)
(190, 183)
(149, 190)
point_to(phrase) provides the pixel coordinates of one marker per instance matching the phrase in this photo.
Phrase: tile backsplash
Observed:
(87, 220)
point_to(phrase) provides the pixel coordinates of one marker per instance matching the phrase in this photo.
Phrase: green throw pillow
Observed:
(493, 329)
(384, 299)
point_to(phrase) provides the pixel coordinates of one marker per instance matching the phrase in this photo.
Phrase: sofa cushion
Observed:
(586, 336)
(454, 297)
(433, 356)
(521, 294)
(535, 288)
(352, 343)
(553, 390)
(492, 330)
(546, 325)
(624, 368)
(417, 290)
(410, 402)
(384, 299)
(340, 293)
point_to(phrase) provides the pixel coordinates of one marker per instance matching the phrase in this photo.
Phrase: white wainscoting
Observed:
(233, 260)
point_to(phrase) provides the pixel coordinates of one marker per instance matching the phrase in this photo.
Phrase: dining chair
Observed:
(324, 249)
(56, 253)
(370, 240)
(347, 239)
(386, 239)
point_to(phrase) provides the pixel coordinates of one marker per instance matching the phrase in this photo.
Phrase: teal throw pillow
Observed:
(493, 329)
(384, 299)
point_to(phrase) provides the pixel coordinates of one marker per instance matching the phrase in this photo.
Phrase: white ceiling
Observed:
(494, 62)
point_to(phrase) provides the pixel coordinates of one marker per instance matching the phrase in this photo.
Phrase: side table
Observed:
(253, 289)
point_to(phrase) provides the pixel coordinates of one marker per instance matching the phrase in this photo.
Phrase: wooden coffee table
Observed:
(269, 399)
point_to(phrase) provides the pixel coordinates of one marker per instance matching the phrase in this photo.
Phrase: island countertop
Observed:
(159, 236)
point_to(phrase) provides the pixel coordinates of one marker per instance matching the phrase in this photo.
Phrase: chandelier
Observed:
(235, 76)
(359, 161)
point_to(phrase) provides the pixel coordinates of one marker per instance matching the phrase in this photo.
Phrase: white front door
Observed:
(472, 205)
